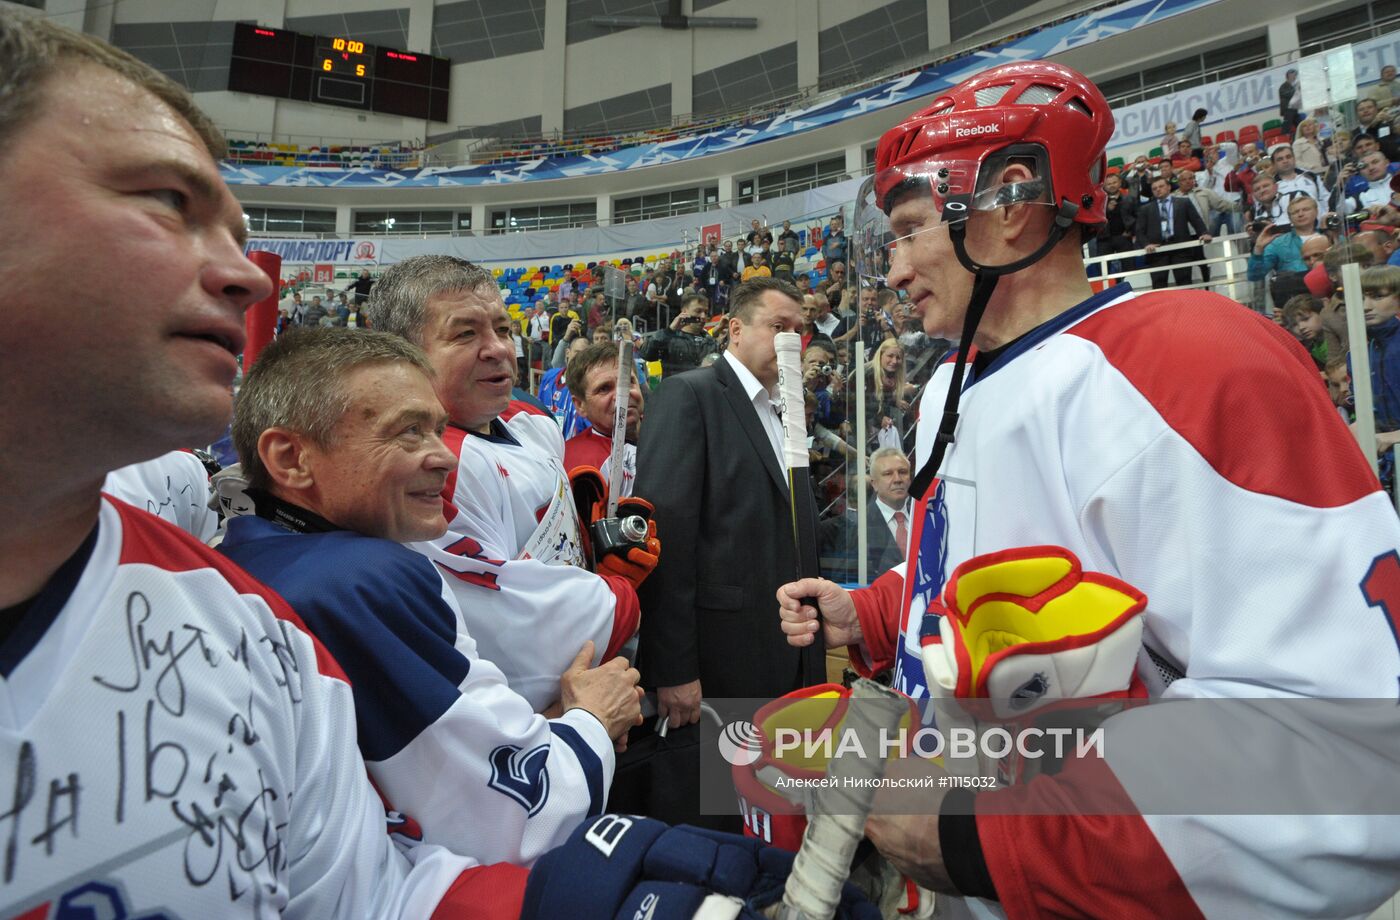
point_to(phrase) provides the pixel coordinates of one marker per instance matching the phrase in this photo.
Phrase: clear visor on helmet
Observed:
(902, 202)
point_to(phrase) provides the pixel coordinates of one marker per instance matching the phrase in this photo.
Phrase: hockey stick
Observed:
(801, 499)
(836, 816)
(619, 434)
(836, 822)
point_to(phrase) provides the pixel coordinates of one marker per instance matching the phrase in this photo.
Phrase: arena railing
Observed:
(1255, 62)
(1354, 34)
(701, 218)
(1229, 253)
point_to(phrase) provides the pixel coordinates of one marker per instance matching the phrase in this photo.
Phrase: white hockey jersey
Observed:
(1185, 445)
(444, 738)
(591, 447)
(173, 486)
(512, 555)
(175, 745)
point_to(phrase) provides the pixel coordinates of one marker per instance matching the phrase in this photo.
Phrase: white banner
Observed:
(335, 252)
(1237, 97)
(582, 244)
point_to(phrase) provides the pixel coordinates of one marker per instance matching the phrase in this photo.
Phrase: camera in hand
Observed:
(616, 536)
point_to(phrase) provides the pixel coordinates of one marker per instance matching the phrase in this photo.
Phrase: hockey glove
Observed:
(1028, 626)
(590, 492)
(617, 866)
(229, 490)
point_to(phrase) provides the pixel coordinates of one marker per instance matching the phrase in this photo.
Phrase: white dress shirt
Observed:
(765, 405)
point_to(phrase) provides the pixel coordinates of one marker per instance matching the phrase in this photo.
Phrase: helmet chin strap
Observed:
(985, 278)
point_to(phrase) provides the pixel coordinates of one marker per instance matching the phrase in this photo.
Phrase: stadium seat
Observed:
(1226, 136)
(1116, 161)
(1249, 134)
(1271, 124)
(1155, 152)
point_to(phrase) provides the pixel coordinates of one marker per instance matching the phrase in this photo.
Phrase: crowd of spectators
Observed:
(334, 308)
(1321, 194)
(676, 315)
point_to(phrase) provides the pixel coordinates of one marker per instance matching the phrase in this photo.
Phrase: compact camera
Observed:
(617, 535)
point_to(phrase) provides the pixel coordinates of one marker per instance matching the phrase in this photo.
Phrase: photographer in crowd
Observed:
(684, 344)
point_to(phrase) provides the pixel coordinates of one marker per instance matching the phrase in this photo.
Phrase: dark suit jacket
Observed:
(1187, 223)
(839, 545)
(883, 552)
(709, 609)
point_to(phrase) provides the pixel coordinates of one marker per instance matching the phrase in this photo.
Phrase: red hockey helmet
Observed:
(1035, 102)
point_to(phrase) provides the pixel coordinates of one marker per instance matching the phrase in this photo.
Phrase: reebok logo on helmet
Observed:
(975, 130)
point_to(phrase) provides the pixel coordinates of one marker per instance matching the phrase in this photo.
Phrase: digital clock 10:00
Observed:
(341, 58)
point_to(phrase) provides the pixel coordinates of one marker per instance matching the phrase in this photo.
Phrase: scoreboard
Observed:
(338, 71)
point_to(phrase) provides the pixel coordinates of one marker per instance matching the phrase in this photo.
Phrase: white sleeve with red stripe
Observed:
(528, 617)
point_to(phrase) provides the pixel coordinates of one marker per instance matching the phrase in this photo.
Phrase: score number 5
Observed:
(359, 68)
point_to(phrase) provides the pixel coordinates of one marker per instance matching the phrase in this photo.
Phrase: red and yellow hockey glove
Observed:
(1027, 626)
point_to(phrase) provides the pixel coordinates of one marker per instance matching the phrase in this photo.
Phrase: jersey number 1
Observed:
(1381, 588)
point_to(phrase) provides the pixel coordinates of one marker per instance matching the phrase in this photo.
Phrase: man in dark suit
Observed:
(1165, 220)
(887, 522)
(709, 455)
(888, 518)
(1116, 234)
